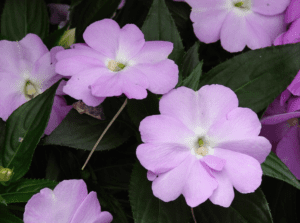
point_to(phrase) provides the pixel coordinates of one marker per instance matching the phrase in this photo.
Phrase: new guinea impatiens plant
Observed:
(202, 145)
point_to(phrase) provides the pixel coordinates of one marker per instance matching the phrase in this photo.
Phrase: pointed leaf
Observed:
(148, 209)
(24, 128)
(7, 217)
(159, 25)
(21, 17)
(24, 189)
(190, 60)
(257, 76)
(274, 167)
(245, 208)
(192, 81)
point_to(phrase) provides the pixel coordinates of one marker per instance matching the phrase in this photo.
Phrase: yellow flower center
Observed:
(115, 66)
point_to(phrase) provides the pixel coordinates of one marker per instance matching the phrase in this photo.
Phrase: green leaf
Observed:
(274, 167)
(82, 132)
(140, 109)
(24, 189)
(159, 25)
(257, 76)
(24, 128)
(53, 39)
(2, 200)
(148, 209)
(7, 217)
(190, 60)
(192, 81)
(245, 208)
(86, 12)
(2, 137)
(21, 17)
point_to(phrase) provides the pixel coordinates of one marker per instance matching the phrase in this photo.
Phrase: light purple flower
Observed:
(69, 202)
(115, 61)
(27, 69)
(201, 146)
(255, 23)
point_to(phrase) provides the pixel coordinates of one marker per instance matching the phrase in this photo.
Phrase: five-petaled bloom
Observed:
(27, 69)
(237, 23)
(69, 202)
(115, 61)
(202, 145)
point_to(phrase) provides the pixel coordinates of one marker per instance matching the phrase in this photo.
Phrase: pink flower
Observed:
(115, 61)
(27, 70)
(237, 23)
(201, 146)
(69, 202)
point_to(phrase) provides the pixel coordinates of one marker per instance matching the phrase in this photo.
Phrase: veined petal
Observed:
(164, 129)
(214, 162)
(160, 158)
(244, 171)
(292, 12)
(266, 7)
(103, 36)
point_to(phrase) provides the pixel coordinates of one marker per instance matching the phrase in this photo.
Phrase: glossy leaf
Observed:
(148, 209)
(24, 128)
(159, 25)
(21, 17)
(192, 81)
(274, 167)
(245, 208)
(24, 189)
(190, 60)
(257, 76)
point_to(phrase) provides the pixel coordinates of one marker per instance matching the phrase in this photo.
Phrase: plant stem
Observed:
(193, 215)
(103, 133)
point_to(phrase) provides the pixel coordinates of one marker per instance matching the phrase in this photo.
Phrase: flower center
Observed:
(293, 122)
(244, 5)
(201, 150)
(30, 90)
(115, 66)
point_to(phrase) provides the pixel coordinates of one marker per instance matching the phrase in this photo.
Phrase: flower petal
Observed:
(244, 171)
(257, 147)
(293, 11)
(153, 52)
(108, 85)
(266, 7)
(240, 123)
(58, 205)
(199, 185)
(223, 195)
(294, 87)
(131, 41)
(151, 176)
(103, 36)
(89, 211)
(207, 24)
(288, 150)
(160, 158)
(78, 86)
(168, 186)
(162, 76)
(276, 119)
(163, 129)
(214, 162)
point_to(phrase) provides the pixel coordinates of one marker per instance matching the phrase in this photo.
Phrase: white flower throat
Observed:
(200, 146)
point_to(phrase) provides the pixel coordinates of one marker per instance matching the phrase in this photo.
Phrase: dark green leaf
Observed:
(245, 208)
(24, 189)
(140, 109)
(7, 217)
(257, 76)
(24, 128)
(2, 200)
(274, 167)
(53, 39)
(192, 81)
(159, 25)
(2, 137)
(82, 132)
(21, 17)
(190, 60)
(88, 11)
(148, 209)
